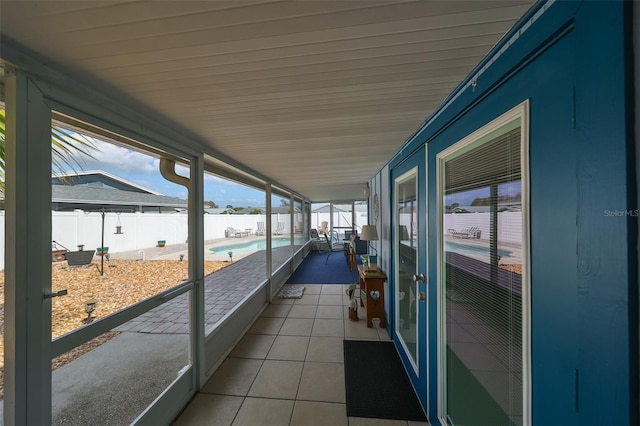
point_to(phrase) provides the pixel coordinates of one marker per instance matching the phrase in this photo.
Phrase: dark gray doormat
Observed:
(376, 383)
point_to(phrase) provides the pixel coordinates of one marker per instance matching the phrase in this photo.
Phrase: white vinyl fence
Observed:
(139, 230)
(143, 230)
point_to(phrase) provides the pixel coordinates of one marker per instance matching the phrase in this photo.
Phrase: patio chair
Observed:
(333, 247)
(473, 232)
(235, 233)
(261, 230)
(317, 243)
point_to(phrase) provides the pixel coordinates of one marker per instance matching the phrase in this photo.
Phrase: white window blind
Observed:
(482, 279)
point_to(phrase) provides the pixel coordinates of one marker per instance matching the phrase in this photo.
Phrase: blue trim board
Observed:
(574, 66)
(632, 222)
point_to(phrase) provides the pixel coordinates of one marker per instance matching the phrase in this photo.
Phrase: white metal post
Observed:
(196, 265)
(28, 253)
(268, 240)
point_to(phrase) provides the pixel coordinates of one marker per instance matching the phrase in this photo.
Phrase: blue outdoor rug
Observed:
(313, 270)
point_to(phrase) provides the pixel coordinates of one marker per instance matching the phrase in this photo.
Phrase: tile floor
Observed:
(289, 368)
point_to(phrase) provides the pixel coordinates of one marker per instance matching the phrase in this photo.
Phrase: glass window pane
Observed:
(341, 220)
(298, 222)
(361, 215)
(234, 245)
(320, 216)
(306, 221)
(407, 249)
(281, 250)
(482, 226)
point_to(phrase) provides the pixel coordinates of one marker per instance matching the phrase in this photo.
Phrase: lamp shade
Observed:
(369, 233)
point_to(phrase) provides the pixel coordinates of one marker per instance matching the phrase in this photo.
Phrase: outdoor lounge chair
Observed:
(261, 230)
(235, 233)
(473, 232)
(279, 229)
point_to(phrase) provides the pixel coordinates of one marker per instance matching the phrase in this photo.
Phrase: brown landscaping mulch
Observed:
(124, 283)
(512, 268)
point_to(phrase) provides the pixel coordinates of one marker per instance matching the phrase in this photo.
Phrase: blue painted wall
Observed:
(572, 65)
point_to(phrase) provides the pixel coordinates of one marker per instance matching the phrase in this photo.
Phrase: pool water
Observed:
(472, 250)
(244, 247)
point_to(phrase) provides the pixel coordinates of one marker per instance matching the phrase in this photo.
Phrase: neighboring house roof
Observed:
(211, 210)
(67, 197)
(101, 179)
(97, 189)
(283, 209)
(471, 209)
(327, 209)
(250, 210)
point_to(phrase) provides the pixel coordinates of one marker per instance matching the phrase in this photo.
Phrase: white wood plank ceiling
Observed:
(316, 95)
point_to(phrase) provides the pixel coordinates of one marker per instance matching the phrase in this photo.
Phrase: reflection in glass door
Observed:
(410, 331)
(407, 254)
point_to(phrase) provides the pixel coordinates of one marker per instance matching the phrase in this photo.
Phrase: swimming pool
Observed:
(473, 250)
(244, 247)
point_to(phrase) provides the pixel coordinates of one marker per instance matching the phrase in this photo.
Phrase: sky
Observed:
(142, 169)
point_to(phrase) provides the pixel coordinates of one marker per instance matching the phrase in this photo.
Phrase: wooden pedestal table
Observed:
(372, 295)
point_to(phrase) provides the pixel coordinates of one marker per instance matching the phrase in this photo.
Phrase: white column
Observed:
(28, 254)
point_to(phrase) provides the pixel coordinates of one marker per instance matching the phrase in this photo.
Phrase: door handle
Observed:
(419, 277)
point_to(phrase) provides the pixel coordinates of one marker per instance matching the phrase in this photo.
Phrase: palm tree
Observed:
(65, 148)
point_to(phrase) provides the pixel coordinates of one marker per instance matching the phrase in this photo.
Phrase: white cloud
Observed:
(114, 157)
